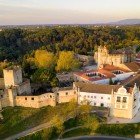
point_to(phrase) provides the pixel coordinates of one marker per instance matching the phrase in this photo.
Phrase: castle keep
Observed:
(16, 91)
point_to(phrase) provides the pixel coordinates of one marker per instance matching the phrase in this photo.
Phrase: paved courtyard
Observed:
(136, 119)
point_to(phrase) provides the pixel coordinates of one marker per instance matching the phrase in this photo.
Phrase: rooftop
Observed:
(133, 66)
(96, 88)
(108, 71)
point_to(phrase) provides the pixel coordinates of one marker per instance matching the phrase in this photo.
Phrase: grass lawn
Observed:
(124, 130)
(17, 119)
(77, 132)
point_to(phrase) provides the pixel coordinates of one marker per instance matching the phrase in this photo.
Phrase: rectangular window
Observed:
(66, 93)
(123, 106)
(124, 99)
(91, 96)
(101, 97)
(108, 98)
(94, 104)
(94, 96)
(32, 98)
(26, 98)
(118, 99)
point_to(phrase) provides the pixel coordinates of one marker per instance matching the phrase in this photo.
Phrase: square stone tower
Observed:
(12, 76)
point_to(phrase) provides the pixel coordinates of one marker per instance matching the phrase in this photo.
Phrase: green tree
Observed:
(66, 61)
(44, 59)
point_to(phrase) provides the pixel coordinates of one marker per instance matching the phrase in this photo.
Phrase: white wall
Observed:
(123, 76)
(105, 81)
(100, 98)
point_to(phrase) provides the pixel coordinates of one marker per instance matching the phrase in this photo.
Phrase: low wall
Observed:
(66, 96)
(36, 101)
(27, 101)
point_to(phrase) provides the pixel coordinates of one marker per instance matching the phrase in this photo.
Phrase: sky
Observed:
(20, 12)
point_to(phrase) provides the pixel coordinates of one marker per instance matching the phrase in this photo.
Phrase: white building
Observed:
(123, 101)
(103, 75)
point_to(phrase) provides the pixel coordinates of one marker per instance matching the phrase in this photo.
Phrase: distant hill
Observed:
(126, 22)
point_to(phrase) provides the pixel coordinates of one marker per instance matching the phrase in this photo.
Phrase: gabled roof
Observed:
(133, 66)
(96, 88)
(134, 80)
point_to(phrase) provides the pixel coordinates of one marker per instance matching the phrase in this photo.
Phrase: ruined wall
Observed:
(36, 101)
(24, 88)
(66, 96)
(47, 99)
(12, 76)
(27, 101)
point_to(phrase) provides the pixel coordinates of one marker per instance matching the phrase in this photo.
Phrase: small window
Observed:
(1, 96)
(94, 96)
(50, 96)
(124, 99)
(118, 99)
(57, 94)
(32, 98)
(88, 96)
(108, 98)
(74, 92)
(91, 96)
(101, 97)
(94, 104)
(102, 105)
(66, 93)
(25, 98)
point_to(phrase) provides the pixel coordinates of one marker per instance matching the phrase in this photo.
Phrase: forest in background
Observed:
(42, 52)
(15, 43)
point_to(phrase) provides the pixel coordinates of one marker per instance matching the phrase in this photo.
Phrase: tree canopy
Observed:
(66, 61)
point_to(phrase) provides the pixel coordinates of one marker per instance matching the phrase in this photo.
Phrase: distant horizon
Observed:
(41, 24)
(32, 12)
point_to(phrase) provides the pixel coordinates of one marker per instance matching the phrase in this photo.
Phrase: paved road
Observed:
(97, 138)
(29, 131)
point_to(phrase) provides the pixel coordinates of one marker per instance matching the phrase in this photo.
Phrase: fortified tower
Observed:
(12, 76)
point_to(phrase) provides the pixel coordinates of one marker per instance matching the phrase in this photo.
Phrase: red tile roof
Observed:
(106, 72)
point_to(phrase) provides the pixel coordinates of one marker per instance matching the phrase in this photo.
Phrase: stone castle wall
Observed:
(24, 88)
(36, 101)
(66, 96)
(12, 77)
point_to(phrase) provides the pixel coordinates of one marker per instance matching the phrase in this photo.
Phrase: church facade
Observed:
(117, 57)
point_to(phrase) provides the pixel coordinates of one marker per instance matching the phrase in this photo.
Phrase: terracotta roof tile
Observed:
(133, 66)
(96, 88)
